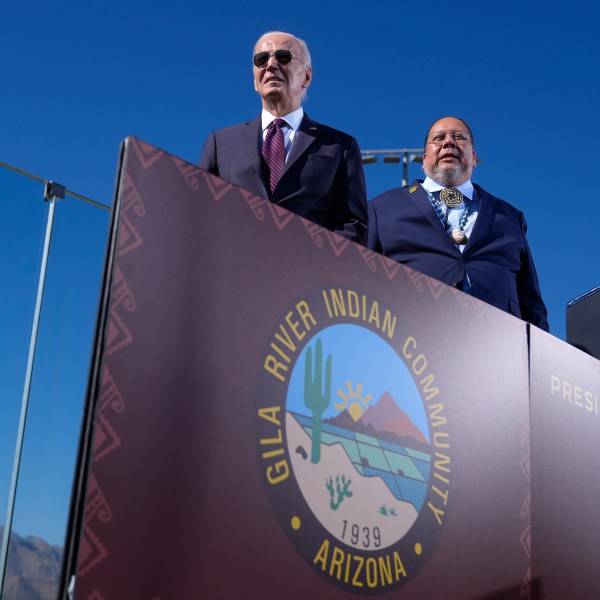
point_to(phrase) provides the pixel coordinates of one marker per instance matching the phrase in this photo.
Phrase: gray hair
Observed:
(301, 43)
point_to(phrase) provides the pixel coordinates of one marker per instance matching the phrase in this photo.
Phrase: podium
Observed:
(277, 412)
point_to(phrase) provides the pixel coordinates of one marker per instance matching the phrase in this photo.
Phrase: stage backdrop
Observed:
(281, 413)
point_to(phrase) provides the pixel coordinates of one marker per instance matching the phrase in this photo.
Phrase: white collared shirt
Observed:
(293, 120)
(455, 214)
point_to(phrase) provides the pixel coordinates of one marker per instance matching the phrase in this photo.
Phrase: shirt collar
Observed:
(292, 119)
(466, 188)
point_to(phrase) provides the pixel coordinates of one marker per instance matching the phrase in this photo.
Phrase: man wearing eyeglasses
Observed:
(283, 155)
(454, 231)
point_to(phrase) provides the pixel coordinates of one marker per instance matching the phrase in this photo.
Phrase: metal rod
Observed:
(26, 394)
(69, 193)
(394, 151)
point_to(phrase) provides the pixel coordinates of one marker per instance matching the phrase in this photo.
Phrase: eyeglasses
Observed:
(283, 57)
(439, 137)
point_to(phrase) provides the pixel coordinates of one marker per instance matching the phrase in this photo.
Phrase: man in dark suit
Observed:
(453, 230)
(303, 166)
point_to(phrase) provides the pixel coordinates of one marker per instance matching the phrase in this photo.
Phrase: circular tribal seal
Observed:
(347, 407)
(451, 197)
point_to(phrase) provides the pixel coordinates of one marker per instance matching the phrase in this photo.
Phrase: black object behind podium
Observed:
(583, 322)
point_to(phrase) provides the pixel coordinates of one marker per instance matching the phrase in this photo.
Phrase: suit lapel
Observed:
(421, 200)
(484, 216)
(305, 136)
(252, 144)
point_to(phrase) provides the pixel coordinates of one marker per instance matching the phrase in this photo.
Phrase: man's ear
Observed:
(307, 77)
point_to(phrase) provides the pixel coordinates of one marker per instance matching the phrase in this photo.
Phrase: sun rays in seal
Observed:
(353, 400)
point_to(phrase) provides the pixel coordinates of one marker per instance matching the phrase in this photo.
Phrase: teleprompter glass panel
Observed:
(23, 215)
(57, 393)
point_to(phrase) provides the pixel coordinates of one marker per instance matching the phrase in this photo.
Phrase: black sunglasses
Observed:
(283, 57)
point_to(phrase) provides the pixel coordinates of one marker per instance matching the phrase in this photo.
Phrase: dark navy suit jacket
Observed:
(323, 179)
(497, 259)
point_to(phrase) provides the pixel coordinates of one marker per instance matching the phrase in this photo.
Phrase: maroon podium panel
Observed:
(282, 413)
(565, 451)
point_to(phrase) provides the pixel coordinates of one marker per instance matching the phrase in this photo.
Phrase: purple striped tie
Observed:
(274, 151)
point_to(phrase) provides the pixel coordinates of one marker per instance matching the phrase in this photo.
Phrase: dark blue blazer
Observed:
(497, 259)
(323, 179)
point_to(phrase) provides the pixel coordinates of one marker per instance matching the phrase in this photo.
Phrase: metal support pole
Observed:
(405, 168)
(52, 193)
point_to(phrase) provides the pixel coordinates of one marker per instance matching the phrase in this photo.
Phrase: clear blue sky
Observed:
(78, 77)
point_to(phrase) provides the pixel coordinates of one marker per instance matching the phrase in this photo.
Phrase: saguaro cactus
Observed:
(316, 398)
